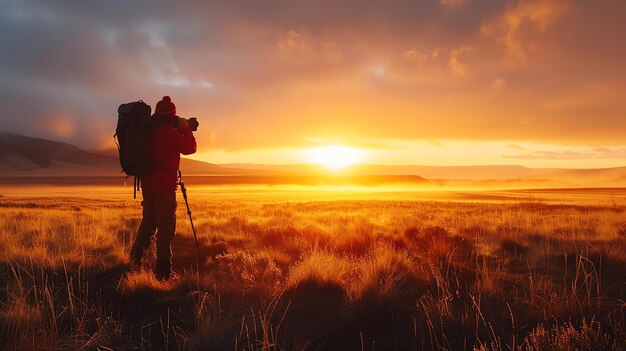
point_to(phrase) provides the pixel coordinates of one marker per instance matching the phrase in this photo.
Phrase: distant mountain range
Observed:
(554, 177)
(22, 156)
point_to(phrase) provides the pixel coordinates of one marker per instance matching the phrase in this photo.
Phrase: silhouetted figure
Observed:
(171, 137)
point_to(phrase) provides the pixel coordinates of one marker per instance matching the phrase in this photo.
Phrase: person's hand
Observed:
(182, 123)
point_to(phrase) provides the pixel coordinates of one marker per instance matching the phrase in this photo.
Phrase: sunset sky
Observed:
(539, 83)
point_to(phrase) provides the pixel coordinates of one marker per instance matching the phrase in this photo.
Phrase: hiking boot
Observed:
(135, 266)
(163, 270)
(163, 276)
(135, 262)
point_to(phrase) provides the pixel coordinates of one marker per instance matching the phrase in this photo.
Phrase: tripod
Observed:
(193, 229)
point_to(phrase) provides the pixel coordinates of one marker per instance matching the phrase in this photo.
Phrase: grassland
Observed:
(284, 272)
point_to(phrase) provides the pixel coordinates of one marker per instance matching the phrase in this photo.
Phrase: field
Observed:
(312, 270)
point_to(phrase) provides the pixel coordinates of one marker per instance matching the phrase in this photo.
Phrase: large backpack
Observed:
(134, 141)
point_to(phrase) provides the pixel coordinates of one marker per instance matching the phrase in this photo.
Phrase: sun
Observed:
(335, 157)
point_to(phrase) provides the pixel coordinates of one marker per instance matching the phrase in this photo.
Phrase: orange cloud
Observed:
(61, 125)
(305, 49)
(452, 3)
(457, 67)
(517, 27)
(498, 84)
(292, 42)
(595, 153)
(415, 55)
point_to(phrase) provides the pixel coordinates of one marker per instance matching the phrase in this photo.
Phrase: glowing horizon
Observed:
(334, 157)
(434, 153)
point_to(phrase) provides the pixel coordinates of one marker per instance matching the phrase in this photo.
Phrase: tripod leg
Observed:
(193, 229)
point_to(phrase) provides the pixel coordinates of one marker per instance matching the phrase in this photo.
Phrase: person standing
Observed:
(171, 137)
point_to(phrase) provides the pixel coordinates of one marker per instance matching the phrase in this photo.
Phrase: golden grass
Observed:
(312, 275)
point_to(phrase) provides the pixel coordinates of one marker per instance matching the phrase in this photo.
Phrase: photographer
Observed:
(171, 137)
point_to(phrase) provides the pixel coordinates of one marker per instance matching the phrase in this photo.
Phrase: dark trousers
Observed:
(159, 214)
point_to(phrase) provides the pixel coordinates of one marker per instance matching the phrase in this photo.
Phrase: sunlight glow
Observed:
(335, 157)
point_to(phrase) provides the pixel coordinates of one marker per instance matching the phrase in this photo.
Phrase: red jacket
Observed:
(168, 143)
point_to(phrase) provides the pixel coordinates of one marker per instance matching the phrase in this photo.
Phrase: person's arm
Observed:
(184, 141)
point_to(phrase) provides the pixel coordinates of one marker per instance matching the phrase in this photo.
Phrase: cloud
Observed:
(304, 49)
(292, 42)
(271, 73)
(498, 83)
(60, 125)
(457, 66)
(594, 153)
(516, 147)
(517, 27)
(415, 55)
(452, 3)
(203, 83)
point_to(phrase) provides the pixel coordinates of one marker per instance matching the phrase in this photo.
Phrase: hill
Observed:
(483, 175)
(28, 156)
(22, 153)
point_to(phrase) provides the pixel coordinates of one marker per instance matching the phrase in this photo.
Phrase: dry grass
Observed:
(358, 275)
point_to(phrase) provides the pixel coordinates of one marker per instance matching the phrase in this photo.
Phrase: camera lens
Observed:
(193, 123)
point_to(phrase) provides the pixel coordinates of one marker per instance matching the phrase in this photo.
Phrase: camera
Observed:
(192, 122)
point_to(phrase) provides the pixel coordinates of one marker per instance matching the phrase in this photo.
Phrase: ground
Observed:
(335, 269)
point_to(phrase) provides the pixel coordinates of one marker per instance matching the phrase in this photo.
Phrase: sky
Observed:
(538, 83)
